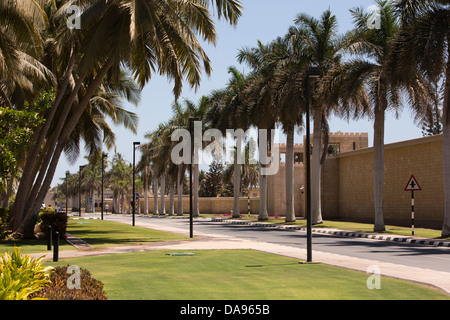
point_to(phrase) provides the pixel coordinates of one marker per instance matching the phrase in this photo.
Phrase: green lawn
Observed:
(97, 233)
(103, 233)
(235, 275)
(31, 246)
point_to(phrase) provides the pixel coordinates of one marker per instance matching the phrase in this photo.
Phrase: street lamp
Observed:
(310, 73)
(67, 190)
(191, 211)
(79, 190)
(134, 176)
(104, 155)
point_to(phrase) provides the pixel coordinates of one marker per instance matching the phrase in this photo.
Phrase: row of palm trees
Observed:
(119, 45)
(366, 72)
(117, 177)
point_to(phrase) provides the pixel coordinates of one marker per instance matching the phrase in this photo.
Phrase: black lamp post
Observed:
(79, 190)
(104, 155)
(134, 176)
(67, 190)
(310, 73)
(191, 211)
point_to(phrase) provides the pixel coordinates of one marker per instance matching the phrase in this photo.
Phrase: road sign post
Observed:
(412, 186)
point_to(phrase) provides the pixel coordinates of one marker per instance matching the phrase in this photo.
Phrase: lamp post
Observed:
(79, 190)
(310, 73)
(104, 155)
(67, 190)
(134, 176)
(191, 211)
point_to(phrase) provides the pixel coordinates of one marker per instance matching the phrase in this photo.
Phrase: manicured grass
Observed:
(103, 233)
(31, 246)
(343, 225)
(236, 275)
(97, 233)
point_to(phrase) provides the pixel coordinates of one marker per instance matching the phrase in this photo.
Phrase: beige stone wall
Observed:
(208, 205)
(421, 158)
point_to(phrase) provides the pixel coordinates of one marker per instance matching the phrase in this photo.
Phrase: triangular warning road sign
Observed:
(413, 185)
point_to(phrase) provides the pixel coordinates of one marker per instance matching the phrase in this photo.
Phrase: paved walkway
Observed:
(203, 241)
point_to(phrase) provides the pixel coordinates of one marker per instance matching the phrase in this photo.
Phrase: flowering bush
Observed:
(90, 288)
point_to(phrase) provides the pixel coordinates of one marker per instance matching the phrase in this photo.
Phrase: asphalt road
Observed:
(428, 257)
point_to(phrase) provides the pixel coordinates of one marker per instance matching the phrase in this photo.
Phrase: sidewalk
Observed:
(204, 241)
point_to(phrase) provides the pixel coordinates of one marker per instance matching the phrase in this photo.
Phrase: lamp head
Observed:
(313, 72)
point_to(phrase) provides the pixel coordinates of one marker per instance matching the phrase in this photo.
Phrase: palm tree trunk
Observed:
(27, 226)
(237, 179)
(316, 210)
(26, 229)
(263, 214)
(27, 178)
(155, 196)
(146, 190)
(172, 198)
(290, 210)
(163, 194)
(378, 168)
(180, 190)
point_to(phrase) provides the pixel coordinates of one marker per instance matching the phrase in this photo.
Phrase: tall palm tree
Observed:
(318, 43)
(423, 43)
(146, 36)
(21, 44)
(93, 128)
(233, 103)
(371, 68)
(259, 105)
(196, 110)
(289, 103)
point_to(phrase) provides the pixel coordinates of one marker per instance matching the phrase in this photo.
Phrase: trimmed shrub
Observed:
(90, 288)
(21, 276)
(57, 220)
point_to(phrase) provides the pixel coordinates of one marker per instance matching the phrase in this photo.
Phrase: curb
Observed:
(396, 238)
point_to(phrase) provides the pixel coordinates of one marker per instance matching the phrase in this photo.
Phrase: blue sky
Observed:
(261, 20)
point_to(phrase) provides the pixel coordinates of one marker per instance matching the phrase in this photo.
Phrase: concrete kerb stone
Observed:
(345, 233)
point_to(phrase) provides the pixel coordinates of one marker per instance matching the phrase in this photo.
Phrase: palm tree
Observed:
(197, 111)
(119, 181)
(318, 45)
(371, 69)
(259, 105)
(147, 36)
(289, 103)
(423, 43)
(21, 44)
(93, 128)
(233, 103)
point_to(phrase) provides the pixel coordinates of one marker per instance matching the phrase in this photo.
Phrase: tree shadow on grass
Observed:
(120, 236)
